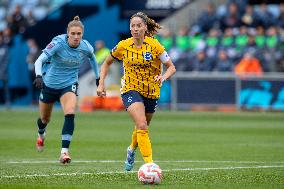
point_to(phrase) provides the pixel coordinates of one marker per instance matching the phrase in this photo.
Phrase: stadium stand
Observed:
(227, 32)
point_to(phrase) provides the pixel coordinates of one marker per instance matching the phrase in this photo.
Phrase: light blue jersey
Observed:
(62, 62)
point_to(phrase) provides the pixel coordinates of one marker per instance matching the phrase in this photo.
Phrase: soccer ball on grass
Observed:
(150, 173)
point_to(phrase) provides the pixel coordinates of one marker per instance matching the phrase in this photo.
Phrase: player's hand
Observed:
(38, 82)
(97, 82)
(101, 92)
(160, 79)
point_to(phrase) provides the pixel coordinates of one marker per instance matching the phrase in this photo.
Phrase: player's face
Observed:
(137, 28)
(75, 34)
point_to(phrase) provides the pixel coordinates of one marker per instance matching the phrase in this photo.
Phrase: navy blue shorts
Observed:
(50, 95)
(134, 96)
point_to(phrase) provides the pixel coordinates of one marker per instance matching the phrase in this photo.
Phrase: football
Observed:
(150, 173)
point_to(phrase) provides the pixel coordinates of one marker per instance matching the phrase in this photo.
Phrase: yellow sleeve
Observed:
(159, 48)
(116, 52)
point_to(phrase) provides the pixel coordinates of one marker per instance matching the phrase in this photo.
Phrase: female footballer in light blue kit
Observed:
(57, 71)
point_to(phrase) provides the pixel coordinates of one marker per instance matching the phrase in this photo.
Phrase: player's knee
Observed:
(142, 125)
(69, 111)
(45, 120)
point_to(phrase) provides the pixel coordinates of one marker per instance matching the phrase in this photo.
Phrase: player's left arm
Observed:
(170, 68)
(95, 66)
(93, 61)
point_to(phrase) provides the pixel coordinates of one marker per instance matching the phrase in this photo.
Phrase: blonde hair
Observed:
(75, 22)
(152, 26)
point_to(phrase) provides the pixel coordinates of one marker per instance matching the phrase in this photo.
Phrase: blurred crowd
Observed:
(234, 37)
(17, 15)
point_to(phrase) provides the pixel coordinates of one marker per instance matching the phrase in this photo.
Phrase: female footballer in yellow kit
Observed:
(142, 58)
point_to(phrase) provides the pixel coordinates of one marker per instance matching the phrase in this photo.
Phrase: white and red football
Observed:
(150, 173)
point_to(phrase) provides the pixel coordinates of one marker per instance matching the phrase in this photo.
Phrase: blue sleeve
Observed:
(52, 47)
(39, 62)
(94, 65)
(93, 60)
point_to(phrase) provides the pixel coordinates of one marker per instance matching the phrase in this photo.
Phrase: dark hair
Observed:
(75, 22)
(152, 26)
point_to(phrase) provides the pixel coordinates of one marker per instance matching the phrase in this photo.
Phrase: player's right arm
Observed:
(38, 82)
(116, 53)
(101, 91)
(38, 63)
(50, 50)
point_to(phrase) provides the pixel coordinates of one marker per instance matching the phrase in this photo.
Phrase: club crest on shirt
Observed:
(50, 45)
(147, 56)
(81, 54)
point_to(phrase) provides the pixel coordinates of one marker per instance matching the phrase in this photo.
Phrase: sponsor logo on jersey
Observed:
(137, 66)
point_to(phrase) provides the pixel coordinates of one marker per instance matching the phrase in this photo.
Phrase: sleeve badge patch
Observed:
(50, 45)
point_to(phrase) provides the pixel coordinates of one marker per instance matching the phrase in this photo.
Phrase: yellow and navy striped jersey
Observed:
(140, 65)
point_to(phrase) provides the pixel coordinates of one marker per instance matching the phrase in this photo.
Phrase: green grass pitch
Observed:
(194, 150)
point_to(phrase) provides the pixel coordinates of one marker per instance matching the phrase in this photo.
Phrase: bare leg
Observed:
(137, 113)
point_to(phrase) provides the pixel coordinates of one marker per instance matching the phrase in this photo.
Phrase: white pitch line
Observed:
(73, 161)
(228, 168)
(161, 161)
(123, 172)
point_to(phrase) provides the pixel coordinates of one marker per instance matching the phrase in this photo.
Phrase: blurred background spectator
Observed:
(207, 19)
(249, 64)
(280, 19)
(223, 62)
(201, 63)
(101, 51)
(250, 18)
(4, 69)
(231, 19)
(18, 22)
(33, 54)
(266, 17)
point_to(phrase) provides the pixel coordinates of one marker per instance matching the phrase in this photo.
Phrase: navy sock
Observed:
(41, 126)
(67, 130)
